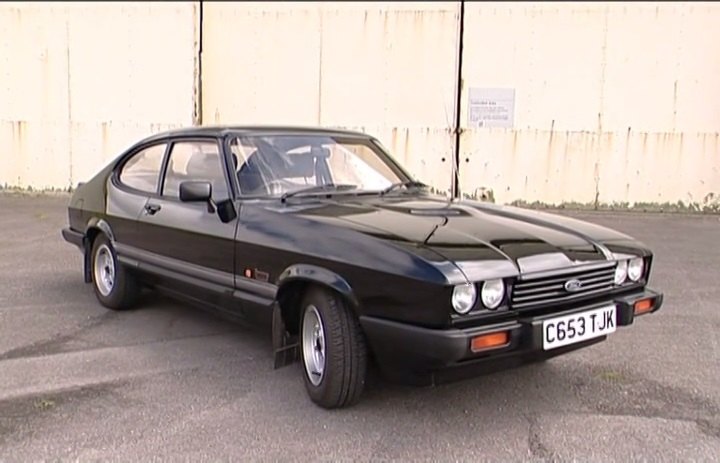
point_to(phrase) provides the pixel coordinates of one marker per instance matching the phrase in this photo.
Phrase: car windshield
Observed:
(282, 165)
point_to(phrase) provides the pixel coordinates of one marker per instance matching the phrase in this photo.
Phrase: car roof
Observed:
(222, 130)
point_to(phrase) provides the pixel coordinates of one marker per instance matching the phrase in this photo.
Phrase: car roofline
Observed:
(220, 131)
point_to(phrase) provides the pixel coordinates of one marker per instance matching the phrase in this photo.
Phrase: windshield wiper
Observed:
(317, 189)
(408, 184)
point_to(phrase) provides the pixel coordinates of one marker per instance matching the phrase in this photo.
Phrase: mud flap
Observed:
(285, 346)
(87, 257)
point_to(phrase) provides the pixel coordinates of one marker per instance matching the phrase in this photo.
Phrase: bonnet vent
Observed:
(440, 212)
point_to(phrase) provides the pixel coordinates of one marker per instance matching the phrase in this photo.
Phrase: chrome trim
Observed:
(552, 287)
(568, 271)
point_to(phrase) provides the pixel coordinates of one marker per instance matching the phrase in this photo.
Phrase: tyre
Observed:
(332, 349)
(114, 286)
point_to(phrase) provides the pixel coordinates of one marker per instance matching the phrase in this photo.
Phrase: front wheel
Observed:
(114, 286)
(333, 350)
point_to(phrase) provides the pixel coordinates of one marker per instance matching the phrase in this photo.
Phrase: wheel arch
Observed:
(296, 279)
(94, 227)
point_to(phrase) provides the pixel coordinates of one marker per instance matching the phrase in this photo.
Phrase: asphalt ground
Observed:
(170, 382)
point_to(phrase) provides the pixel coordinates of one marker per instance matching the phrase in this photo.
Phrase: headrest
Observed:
(203, 165)
(320, 152)
(301, 165)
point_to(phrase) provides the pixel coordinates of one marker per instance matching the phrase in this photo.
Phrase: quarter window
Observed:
(142, 170)
(195, 160)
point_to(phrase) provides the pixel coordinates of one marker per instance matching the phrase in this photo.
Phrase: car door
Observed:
(134, 182)
(184, 243)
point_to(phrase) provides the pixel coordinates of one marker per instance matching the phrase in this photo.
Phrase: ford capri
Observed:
(321, 237)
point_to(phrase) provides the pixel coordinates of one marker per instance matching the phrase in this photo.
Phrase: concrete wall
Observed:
(81, 81)
(387, 68)
(612, 102)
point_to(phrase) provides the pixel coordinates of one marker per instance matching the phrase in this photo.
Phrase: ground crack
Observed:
(709, 428)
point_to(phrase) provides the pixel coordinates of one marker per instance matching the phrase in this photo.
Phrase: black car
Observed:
(321, 235)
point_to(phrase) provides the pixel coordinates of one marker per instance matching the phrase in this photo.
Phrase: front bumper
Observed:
(401, 349)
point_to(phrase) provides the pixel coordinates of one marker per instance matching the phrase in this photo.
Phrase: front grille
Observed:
(542, 291)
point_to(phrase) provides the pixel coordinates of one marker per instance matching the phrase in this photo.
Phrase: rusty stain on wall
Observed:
(197, 63)
(19, 143)
(588, 168)
(603, 67)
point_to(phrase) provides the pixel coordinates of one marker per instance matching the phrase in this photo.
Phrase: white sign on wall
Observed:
(491, 107)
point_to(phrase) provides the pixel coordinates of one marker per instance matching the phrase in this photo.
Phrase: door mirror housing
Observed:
(195, 192)
(201, 191)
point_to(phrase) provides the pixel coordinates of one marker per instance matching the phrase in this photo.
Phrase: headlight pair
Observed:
(629, 270)
(464, 296)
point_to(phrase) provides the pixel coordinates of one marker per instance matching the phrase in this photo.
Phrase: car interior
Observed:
(201, 165)
(269, 171)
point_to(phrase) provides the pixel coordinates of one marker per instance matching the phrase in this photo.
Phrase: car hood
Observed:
(479, 237)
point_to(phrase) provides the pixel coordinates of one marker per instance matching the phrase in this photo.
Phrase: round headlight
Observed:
(492, 293)
(463, 298)
(635, 268)
(621, 272)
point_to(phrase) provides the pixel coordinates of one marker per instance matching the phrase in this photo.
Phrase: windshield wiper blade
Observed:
(318, 189)
(408, 184)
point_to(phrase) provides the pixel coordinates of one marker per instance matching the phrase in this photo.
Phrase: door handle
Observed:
(152, 208)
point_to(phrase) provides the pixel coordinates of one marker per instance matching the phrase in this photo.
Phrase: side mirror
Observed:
(200, 191)
(195, 192)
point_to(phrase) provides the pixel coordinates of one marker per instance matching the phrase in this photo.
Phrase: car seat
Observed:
(206, 166)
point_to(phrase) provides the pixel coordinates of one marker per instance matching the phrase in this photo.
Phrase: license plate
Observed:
(578, 327)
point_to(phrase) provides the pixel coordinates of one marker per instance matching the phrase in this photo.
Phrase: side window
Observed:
(142, 171)
(195, 160)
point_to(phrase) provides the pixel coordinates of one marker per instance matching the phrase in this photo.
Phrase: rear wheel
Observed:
(333, 350)
(114, 286)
